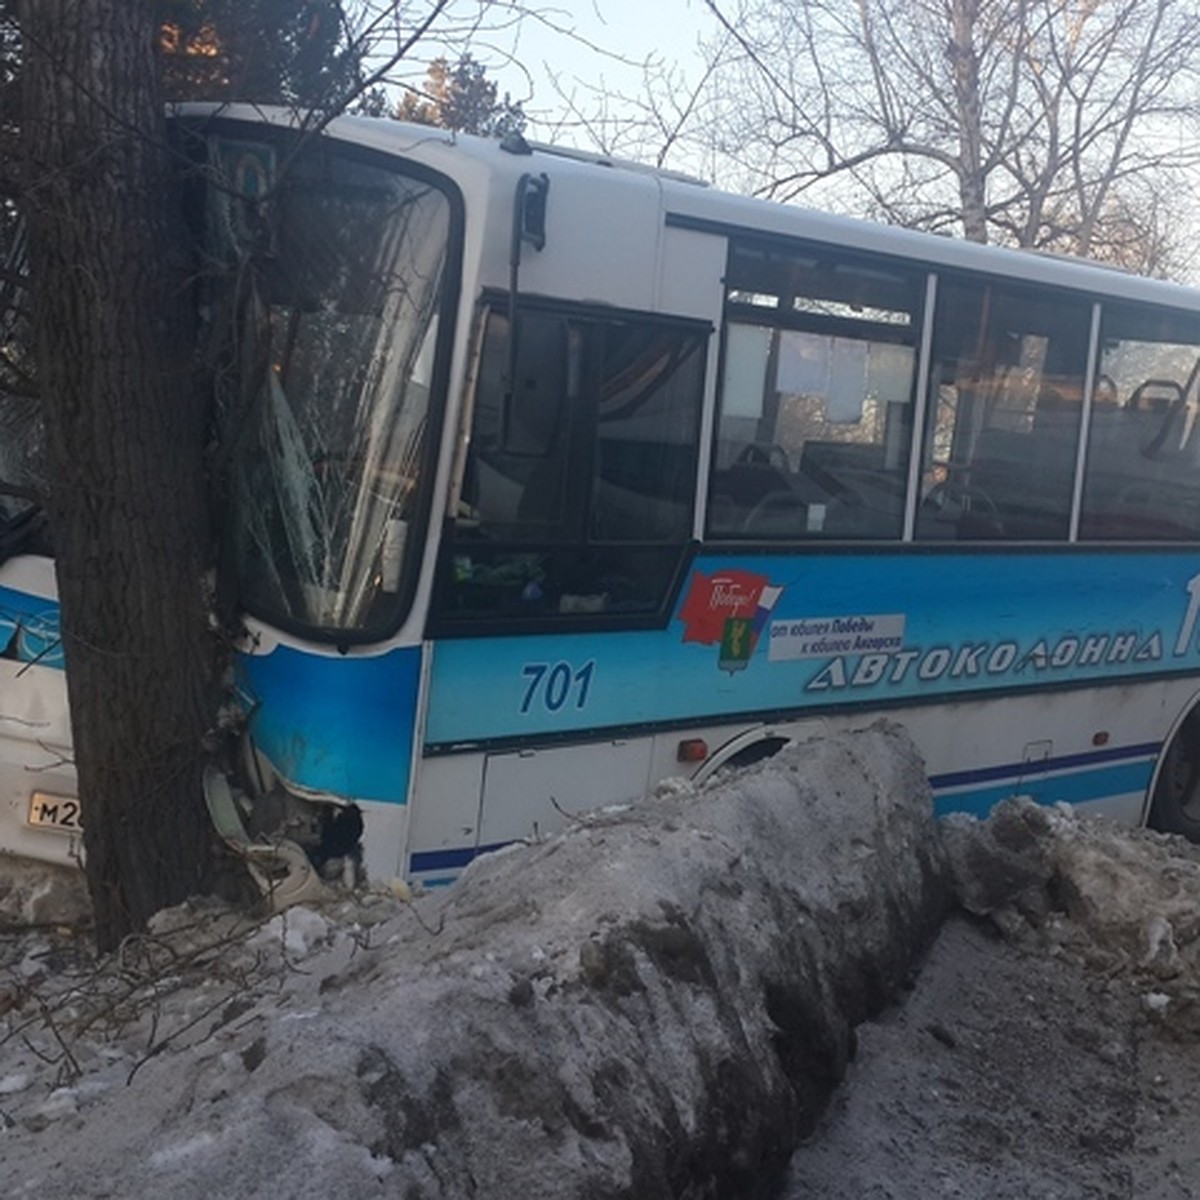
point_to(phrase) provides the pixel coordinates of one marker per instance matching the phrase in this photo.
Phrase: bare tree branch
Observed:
(1044, 122)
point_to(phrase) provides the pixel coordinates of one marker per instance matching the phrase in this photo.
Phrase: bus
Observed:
(554, 477)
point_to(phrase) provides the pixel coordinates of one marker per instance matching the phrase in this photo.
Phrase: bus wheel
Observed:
(1176, 804)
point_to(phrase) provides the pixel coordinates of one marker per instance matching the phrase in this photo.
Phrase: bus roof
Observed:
(689, 203)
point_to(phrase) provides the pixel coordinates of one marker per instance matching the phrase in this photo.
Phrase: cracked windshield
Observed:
(339, 312)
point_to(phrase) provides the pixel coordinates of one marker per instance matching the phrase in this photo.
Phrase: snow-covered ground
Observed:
(1047, 1047)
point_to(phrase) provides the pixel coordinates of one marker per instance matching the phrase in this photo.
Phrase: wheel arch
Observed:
(1184, 728)
(744, 749)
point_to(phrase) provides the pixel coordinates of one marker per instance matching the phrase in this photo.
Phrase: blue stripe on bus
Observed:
(1075, 788)
(1042, 766)
(449, 860)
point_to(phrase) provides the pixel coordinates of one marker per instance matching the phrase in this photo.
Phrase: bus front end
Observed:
(331, 282)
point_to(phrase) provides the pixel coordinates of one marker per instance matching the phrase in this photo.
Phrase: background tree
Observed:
(665, 121)
(101, 306)
(124, 419)
(265, 51)
(1058, 124)
(19, 431)
(10, 273)
(460, 96)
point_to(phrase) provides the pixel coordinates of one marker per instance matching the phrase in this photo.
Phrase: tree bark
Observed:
(965, 64)
(124, 424)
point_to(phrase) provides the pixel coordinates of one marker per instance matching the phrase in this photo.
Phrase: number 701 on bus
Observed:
(553, 686)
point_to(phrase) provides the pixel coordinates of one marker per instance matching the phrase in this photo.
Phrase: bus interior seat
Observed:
(779, 514)
(722, 514)
(1027, 478)
(830, 463)
(744, 485)
(1142, 462)
(864, 497)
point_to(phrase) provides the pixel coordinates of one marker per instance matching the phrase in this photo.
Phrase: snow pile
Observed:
(1121, 901)
(1058, 1060)
(656, 1002)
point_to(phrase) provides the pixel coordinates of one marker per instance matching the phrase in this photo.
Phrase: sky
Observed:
(607, 31)
(589, 53)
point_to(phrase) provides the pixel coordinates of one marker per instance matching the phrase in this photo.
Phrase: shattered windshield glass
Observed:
(340, 277)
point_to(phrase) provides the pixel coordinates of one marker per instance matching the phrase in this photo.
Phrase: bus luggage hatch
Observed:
(530, 792)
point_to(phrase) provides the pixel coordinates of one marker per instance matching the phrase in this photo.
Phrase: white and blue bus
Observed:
(554, 477)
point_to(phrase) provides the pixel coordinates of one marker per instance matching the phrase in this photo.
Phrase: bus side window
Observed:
(1006, 392)
(521, 437)
(535, 401)
(815, 415)
(1142, 480)
(579, 479)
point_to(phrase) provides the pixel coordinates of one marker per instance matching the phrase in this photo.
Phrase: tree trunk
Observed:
(124, 423)
(965, 65)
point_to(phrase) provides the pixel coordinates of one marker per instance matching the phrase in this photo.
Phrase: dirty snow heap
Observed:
(657, 1002)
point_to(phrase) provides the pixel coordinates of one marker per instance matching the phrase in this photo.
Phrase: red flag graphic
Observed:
(713, 599)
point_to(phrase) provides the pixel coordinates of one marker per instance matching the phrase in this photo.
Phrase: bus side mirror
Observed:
(529, 218)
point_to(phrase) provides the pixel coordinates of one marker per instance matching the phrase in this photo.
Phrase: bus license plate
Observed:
(54, 812)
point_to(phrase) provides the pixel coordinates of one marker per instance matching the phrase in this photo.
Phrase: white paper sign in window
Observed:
(747, 349)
